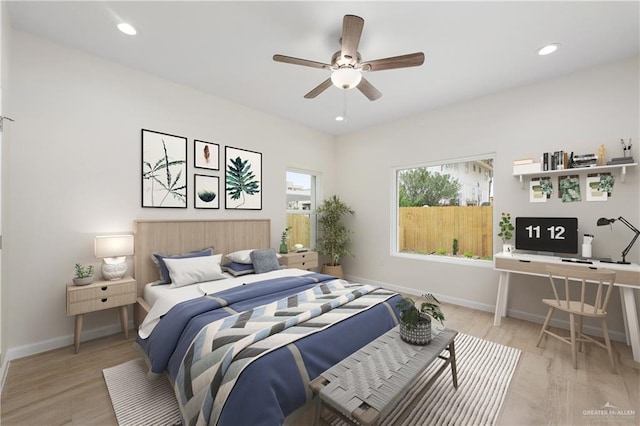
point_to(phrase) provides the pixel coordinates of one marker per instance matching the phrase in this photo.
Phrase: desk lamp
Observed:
(113, 250)
(604, 221)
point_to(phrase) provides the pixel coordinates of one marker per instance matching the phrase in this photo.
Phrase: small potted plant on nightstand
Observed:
(415, 325)
(284, 247)
(84, 274)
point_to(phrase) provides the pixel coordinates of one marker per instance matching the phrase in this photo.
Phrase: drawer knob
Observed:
(104, 288)
(104, 300)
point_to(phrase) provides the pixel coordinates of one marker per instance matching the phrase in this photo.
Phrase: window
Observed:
(441, 210)
(301, 205)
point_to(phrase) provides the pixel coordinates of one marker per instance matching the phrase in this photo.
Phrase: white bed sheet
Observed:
(163, 299)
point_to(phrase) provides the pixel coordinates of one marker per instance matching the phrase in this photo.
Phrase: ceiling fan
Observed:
(347, 66)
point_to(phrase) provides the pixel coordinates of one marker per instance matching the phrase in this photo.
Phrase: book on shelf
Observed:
(523, 161)
(620, 160)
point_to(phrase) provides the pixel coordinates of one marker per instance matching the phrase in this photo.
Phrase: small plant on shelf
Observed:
(506, 227)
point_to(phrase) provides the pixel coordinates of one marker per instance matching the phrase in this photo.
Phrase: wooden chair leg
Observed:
(574, 349)
(580, 342)
(544, 326)
(607, 342)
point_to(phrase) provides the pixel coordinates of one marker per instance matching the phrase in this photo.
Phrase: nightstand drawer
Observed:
(100, 291)
(304, 260)
(97, 304)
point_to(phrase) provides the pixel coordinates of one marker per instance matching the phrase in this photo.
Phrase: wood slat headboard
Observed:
(181, 236)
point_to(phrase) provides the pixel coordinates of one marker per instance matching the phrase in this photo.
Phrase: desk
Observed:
(627, 279)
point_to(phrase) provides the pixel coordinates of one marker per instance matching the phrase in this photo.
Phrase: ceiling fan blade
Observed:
(298, 61)
(368, 90)
(351, 31)
(402, 61)
(319, 89)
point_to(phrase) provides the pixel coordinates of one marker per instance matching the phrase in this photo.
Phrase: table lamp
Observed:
(113, 250)
(604, 221)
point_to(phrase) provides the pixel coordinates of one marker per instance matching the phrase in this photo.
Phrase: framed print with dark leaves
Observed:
(243, 179)
(205, 195)
(206, 155)
(164, 170)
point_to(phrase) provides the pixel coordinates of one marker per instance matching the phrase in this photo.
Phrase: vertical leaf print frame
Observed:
(164, 170)
(243, 179)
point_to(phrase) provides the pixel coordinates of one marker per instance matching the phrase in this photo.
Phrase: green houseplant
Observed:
(415, 324)
(284, 247)
(334, 235)
(506, 232)
(84, 274)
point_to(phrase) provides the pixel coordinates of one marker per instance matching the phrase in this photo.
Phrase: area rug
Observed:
(138, 401)
(485, 370)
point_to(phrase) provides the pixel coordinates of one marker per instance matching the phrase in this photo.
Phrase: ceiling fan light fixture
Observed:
(346, 78)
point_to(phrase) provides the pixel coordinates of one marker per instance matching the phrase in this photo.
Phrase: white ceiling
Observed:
(226, 48)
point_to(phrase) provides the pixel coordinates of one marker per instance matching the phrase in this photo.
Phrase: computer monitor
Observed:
(547, 234)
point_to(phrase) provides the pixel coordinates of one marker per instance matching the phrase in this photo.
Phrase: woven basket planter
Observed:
(421, 335)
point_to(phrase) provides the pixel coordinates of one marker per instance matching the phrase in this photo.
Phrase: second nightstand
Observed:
(97, 296)
(301, 260)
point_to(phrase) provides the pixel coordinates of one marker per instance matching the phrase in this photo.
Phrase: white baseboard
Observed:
(56, 343)
(527, 316)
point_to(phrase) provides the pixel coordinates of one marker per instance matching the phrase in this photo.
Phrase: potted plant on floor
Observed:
(84, 274)
(334, 235)
(415, 325)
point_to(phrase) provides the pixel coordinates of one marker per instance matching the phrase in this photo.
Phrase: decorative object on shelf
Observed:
(164, 170)
(205, 194)
(415, 325)
(284, 247)
(84, 274)
(206, 155)
(624, 159)
(506, 232)
(604, 221)
(113, 249)
(243, 179)
(569, 188)
(602, 151)
(334, 235)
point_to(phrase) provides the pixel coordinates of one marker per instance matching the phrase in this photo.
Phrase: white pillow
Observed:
(242, 256)
(194, 270)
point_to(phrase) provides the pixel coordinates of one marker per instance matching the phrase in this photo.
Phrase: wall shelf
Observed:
(596, 169)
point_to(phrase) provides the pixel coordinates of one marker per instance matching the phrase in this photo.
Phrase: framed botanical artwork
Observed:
(569, 188)
(205, 194)
(164, 170)
(540, 190)
(206, 155)
(243, 179)
(599, 186)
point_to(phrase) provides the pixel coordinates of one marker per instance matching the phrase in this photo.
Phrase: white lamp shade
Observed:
(346, 78)
(113, 245)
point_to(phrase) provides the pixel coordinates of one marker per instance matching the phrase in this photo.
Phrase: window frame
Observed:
(316, 196)
(394, 225)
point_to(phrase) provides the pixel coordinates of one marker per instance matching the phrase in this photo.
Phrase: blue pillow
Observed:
(158, 259)
(264, 260)
(238, 269)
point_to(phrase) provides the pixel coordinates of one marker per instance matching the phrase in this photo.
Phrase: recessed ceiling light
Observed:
(127, 28)
(340, 118)
(548, 49)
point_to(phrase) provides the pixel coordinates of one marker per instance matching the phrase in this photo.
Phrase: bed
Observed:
(242, 350)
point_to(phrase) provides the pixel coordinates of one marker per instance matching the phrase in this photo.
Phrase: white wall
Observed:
(577, 112)
(74, 171)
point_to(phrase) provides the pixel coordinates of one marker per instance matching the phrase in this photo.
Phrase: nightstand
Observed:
(98, 296)
(301, 260)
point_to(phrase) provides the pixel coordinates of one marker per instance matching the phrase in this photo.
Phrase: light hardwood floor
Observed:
(63, 388)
